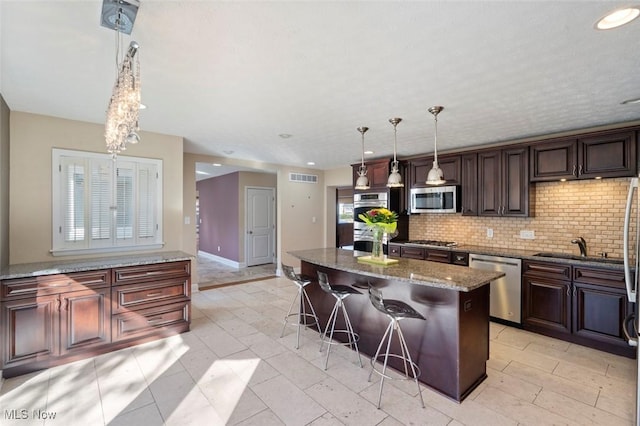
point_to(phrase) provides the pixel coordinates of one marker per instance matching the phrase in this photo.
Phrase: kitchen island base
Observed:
(451, 347)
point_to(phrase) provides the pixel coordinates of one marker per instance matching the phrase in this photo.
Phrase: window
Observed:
(101, 204)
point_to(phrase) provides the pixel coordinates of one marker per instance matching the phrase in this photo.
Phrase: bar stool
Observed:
(395, 310)
(340, 292)
(302, 316)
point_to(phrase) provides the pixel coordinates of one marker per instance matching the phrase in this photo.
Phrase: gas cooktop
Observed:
(434, 243)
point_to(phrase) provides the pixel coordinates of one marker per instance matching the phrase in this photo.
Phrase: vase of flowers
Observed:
(380, 221)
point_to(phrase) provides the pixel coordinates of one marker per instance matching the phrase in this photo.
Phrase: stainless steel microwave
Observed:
(436, 199)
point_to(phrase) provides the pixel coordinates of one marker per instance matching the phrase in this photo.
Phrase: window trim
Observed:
(57, 203)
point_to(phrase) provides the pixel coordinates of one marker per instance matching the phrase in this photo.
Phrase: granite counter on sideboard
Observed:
(61, 311)
(451, 347)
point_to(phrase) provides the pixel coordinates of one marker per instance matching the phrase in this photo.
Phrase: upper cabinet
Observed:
(419, 169)
(469, 184)
(605, 154)
(377, 172)
(503, 184)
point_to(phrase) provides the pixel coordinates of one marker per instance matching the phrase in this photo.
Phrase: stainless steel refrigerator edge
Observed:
(630, 326)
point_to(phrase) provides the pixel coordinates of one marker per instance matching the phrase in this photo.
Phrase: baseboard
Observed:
(223, 260)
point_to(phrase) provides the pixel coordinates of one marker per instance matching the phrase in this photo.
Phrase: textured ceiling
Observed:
(231, 76)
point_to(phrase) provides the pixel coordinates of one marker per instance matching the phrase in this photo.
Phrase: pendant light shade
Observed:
(363, 181)
(435, 175)
(395, 180)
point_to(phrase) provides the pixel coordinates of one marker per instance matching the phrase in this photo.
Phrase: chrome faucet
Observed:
(582, 244)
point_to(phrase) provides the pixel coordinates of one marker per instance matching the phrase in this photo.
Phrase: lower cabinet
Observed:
(585, 305)
(50, 320)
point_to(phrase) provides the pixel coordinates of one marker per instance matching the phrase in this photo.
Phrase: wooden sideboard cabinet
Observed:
(53, 319)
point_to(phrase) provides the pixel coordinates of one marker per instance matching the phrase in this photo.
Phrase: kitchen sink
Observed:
(599, 259)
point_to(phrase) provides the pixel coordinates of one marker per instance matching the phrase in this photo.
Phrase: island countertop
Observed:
(433, 274)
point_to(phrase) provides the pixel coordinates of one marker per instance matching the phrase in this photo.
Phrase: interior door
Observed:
(260, 213)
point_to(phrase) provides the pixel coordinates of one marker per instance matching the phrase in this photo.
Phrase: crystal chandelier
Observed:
(121, 125)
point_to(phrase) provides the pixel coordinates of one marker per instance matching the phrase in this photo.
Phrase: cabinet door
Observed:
(30, 330)
(599, 313)
(419, 169)
(412, 252)
(85, 319)
(469, 179)
(546, 305)
(394, 250)
(377, 172)
(489, 188)
(554, 160)
(515, 182)
(607, 155)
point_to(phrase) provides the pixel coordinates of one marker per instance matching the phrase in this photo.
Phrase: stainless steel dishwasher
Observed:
(506, 301)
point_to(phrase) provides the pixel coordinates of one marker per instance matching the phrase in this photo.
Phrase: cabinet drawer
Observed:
(53, 284)
(547, 269)
(605, 277)
(412, 252)
(135, 274)
(438, 256)
(126, 297)
(460, 258)
(394, 250)
(143, 322)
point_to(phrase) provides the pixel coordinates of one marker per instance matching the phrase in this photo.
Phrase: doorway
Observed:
(260, 216)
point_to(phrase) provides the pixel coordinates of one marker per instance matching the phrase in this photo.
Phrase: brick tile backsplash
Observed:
(561, 211)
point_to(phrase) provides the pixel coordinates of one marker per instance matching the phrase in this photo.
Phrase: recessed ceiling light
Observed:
(617, 18)
(142, 106)
(630, 101)
(285, 135)
(368, 152)
(198, 172)
(216, 165)
(310, 163)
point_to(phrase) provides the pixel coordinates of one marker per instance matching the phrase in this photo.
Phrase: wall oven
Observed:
(362, 236)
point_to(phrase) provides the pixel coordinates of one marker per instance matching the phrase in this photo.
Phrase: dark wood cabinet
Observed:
(435, 255)
(604, 154)
(585, 305)
(503, 182)
(419, 169)
(460, 258)
(394, 250)
(469, 184)
(412, 252)
(84, 320)
(377, 172)
(52, 319)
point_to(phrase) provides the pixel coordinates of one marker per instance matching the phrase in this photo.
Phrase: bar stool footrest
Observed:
(325, 339)
(303, 318)
(407, 376)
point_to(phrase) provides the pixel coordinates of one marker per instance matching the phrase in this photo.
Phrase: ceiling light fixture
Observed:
(435, 176)
(362, 182)
(121, 125)
(395, 180)
(617, 18)
(368, 152)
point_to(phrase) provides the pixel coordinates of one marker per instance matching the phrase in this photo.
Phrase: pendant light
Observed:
(363, 181)
(435, 176)
(395, 180)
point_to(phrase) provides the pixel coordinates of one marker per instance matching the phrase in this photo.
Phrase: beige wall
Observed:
(4, 182)
(32, 138)
(334, 179)
(593, 209)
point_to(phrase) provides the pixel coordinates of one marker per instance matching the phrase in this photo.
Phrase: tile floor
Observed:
(213, 274)
(232, 368)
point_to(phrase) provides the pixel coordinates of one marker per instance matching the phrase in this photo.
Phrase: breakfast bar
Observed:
(451, 347)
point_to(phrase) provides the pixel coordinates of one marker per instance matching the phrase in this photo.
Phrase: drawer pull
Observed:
(155, 320)
(158, 293)
(68, 283)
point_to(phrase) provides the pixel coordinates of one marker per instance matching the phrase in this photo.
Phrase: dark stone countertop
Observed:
(433, 274)
(25, 270)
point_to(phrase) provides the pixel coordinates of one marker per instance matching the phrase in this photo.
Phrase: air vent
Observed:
(299, 177)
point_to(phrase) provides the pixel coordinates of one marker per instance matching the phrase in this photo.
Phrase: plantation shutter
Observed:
(101, 201)
(125, 217)
(147, 184)
(73, 193)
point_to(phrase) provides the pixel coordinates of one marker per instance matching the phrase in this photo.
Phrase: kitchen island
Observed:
(451, 347)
